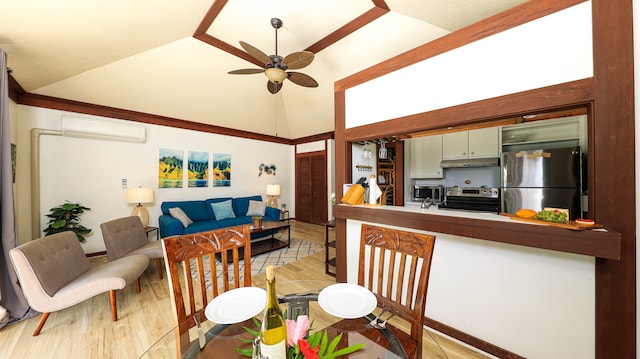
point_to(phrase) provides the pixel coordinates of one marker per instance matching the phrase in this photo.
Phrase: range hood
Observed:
(470, 162)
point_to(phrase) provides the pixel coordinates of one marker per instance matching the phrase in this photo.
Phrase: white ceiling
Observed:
(141, 55)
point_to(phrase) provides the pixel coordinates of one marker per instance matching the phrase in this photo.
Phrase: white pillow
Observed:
(178, 214)
(256, 208)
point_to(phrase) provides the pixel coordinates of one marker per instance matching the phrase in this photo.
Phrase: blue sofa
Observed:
(203, 217)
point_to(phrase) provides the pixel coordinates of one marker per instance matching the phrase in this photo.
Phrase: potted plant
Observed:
(256, 221)
(65, 217)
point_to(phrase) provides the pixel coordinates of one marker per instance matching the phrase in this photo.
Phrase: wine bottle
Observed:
(273, 333)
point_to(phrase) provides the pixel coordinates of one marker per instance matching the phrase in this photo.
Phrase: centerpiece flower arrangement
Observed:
(315, 346)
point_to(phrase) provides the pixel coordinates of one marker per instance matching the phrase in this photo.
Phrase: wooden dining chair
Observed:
(395, 266)
(193, 278)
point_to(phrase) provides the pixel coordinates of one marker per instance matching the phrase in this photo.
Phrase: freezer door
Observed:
(558, 167)
(537, 199)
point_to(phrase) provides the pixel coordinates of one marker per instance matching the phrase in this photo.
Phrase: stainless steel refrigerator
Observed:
(536, 179)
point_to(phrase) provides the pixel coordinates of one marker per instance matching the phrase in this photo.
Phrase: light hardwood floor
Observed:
(86, 330)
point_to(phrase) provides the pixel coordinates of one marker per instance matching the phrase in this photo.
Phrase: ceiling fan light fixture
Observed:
(275, 74)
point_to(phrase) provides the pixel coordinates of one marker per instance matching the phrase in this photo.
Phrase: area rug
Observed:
(297, 250)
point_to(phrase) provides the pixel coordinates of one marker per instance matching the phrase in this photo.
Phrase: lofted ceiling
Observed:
(171, 58)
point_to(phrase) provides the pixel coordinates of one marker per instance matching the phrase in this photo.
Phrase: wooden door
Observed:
(311, 187)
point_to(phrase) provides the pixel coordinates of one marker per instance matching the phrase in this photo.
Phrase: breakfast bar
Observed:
(496, 281)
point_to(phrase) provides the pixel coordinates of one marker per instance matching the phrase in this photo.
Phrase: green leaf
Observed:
(59, 224)
(245, 352)
(334, 343)
(348, 350)
(69, 206)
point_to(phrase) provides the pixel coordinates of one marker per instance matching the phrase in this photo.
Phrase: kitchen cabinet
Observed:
(425, 157)
(478, 143)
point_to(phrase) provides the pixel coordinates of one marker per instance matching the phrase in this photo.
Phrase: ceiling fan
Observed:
(276, 66)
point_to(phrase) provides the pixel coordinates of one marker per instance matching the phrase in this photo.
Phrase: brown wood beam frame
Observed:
(609, 98)
(112, 112)
(379, 8)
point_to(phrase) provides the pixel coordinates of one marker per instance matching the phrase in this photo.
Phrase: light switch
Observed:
(124, 183)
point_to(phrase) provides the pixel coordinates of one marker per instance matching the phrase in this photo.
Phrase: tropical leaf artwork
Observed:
(170, 165)
(221, 170)
(198, 169)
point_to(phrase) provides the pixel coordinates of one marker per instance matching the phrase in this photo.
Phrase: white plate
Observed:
(236, 305)
(346, 300)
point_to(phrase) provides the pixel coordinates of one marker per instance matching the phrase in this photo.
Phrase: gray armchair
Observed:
(55, 274)
(126, 236)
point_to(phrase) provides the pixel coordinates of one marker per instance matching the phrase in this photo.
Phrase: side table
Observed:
(329, 260)
(149, 229)
(284, 215)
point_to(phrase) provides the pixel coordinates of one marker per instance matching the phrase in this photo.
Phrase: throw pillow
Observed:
(223, 210)
(256, 208)
(179, 214)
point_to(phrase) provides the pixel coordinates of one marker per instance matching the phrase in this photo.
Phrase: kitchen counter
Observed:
(488, 226)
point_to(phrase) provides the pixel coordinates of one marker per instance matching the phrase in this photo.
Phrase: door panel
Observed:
(311, 188)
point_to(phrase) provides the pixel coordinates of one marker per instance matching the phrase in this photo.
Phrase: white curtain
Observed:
(13, 305)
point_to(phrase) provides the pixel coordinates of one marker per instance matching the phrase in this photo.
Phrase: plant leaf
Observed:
(59, 224)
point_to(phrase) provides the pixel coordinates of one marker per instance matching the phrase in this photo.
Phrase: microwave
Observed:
(436, 193)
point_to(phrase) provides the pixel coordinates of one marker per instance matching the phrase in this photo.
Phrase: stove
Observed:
(483, 199)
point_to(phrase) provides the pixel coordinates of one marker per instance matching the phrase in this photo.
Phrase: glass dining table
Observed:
(331, 307)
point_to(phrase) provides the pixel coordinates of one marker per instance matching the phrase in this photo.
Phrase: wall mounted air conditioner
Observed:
(102, 130)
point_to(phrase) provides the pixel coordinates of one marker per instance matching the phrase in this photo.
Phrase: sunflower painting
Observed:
(198, 169)
(170, 168)
(221, 170)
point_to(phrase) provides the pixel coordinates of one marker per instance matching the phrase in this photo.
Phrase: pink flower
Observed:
(297, 329)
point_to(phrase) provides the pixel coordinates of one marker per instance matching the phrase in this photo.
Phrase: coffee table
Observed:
(263, 245)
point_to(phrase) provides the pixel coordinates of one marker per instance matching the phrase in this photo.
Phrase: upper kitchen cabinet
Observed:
(547, 134)
(480, 143)
(425, 155)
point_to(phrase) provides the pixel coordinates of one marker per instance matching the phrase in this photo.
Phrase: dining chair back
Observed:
(395, 266)
(126, 236)
(195, 279)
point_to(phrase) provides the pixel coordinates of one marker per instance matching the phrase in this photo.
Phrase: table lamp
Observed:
(140, 195)
(273, 190)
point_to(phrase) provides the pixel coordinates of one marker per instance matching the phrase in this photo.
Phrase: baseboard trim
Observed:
(471, 340)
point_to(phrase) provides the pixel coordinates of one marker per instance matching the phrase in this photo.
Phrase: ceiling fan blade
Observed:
(302, 79)
(245, 71)
(298, 60)
(256, 54)
(273, 87)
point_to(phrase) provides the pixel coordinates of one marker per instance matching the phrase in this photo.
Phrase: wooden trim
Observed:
(347, 29)
(572, 93)
(210, 16)
(380, 8)
(590, 243)
(471, 340)
(614, 181)
(342, 172)
(112, 112)
(319, 137)
(500, 22)
(15, 90)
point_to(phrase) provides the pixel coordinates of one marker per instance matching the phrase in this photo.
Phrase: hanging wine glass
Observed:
(383, 150)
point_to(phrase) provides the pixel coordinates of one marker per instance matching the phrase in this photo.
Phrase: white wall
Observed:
(536, 303)
(90, 171)
(501, 64)
(533, 302)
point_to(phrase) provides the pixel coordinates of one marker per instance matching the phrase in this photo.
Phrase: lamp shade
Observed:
(275, 74)
(139, 195)
(273, 189)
